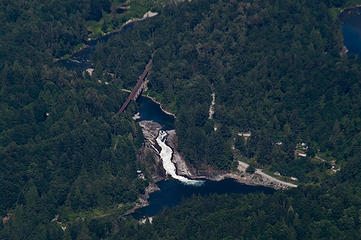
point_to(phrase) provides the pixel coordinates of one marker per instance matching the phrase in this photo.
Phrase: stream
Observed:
(169, 167)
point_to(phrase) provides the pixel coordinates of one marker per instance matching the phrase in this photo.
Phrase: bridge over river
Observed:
(139, 87)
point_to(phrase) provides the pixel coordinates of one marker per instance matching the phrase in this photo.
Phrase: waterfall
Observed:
(166, 156)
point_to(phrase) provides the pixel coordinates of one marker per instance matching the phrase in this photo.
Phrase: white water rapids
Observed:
(166, 156)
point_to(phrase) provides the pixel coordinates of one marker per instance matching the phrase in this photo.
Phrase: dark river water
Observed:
(82, 60)
(150, 110)
(351, 29)
(171, 191)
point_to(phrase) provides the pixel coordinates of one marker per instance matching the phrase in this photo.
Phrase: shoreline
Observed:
(87, 43)
(350, 8)
(146, 15)
(259, 178)
(154, 100)
(161, 106)
(72, 54)
(151, 130)
(143, 199)
(344, 14)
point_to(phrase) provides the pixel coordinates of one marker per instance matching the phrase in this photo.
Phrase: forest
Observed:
(276, 71)
(62, 149)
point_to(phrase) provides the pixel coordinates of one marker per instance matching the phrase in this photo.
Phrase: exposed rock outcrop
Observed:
(149, 153)
(258, 178)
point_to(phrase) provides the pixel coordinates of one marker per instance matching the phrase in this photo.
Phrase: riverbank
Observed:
(146, 15)
(142, 199)
(349, 9)
(166, 162)
(154, 100)
(150, 148)
(75, 51)
(259, 178)
(160, 105)
(150, 132)
(84, 46)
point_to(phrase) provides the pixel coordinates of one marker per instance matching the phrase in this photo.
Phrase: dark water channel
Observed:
(351, 29)
(150, 110)
(82, 59)
(171, 191)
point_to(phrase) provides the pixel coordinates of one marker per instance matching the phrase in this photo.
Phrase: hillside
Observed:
(280, 87)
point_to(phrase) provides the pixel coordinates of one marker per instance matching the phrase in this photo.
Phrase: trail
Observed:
(211, 107)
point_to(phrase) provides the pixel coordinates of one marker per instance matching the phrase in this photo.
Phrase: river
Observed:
(171, 191)
(351, 29)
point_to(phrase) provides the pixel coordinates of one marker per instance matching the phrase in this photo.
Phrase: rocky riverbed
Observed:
(258, 178)
(150, 131)
(149, 153)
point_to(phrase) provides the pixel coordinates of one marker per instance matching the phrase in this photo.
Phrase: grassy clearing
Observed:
(68, 215)
(76, 48)
(112, 21)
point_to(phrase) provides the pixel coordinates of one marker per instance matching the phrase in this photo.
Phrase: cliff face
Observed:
(149, 156)
(183, 168)
(149, 152)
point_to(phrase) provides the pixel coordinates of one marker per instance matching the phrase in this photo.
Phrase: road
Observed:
(242, 166)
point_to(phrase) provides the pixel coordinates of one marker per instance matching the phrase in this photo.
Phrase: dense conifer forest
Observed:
(61, 148)
(276, 70)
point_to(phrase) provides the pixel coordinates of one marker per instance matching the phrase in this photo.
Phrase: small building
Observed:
(244, 134)
(304, 146)
(7, 218)
(277, 173)
(279, 143)
(140, 174)
(90, 71)
(334, 169)
(55, 219)
(301, 154)
(294, 179)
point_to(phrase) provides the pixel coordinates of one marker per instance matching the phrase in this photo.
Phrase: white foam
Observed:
(166, 156)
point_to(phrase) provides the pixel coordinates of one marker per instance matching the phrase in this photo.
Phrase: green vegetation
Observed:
(57, 126)
(250, 169)
(268, 76)
(113, 20)
(276, 72)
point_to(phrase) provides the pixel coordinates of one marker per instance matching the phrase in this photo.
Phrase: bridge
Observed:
(139, 87)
